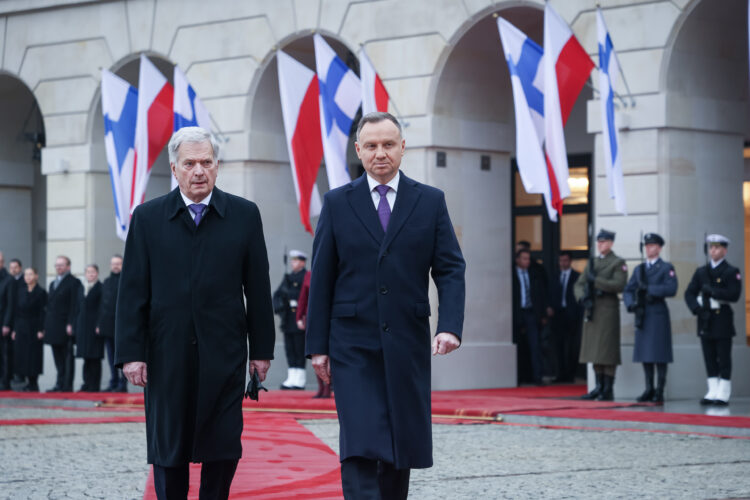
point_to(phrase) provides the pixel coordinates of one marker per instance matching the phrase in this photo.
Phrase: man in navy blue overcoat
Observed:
(378, 240)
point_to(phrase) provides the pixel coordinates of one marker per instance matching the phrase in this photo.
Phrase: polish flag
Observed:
(566, 69)
(374, 95)
(298, 87)
(153, 127)
(189, 110)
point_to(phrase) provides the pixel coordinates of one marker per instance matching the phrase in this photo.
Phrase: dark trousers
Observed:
(116, 379)
(530, 354)
(92, 375)
(294, 345)
(367, 479)
(172, 483)
(6, 360)
(567, 331)
(717, 354)
(65, 365)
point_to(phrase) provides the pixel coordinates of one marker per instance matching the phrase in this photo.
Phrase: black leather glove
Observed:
(707, 290)
(254, 387)
(642, 287)
(704, 315)
(631, 308)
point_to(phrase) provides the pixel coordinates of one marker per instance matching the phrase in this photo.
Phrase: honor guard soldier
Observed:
(708, 296)
(651, 283)
(285, 305)
(597, 289)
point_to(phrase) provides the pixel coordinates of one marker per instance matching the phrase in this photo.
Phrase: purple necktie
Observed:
(384, 209)
(197, 209)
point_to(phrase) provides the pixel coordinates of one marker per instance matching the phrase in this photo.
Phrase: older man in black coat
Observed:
(182, 327)
(378, 240)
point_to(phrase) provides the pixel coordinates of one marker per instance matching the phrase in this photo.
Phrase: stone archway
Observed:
(23, 193)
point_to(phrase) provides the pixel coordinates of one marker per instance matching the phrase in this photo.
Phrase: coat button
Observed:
(386, 328)
(193, 340)
(383, 290)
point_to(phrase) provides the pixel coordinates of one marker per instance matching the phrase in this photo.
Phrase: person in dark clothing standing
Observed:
(15, 268)
(105, 327)
(566, 315)
(28, 326)
(62, 311)
(529, 310)
(324, 388)
(709, 296)
(89, 344)
(6, 345)
(285, 300)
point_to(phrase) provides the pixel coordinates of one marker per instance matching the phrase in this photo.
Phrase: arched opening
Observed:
(705, 79)
(106, 243)
(472, 159)
(23, 193)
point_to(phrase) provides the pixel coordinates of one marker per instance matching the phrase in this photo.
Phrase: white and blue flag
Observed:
(608, 71)
(189, 110)
(525, 60)
(120, 109)
(340, 97)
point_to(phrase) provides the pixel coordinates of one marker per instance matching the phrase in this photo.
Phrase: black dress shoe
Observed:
(4, 386)
(55, 389)
(707, 402)
(658, 397)
(648, 395)
(719, 402)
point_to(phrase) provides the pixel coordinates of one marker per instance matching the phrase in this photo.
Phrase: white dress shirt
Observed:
(189, 202)
(390, 195)
(716, 264)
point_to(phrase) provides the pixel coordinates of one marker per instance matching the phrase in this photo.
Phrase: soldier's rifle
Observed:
(587, 301)
(640, 295)
(704, 315)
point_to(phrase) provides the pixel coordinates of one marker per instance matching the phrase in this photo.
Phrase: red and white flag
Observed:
(374, 95)
(566, 69)
(298, 87)
(153, 126)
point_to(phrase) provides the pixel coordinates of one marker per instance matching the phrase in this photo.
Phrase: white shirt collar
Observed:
(393, 183)
(189, 202)
(652, 262)
(716, 264)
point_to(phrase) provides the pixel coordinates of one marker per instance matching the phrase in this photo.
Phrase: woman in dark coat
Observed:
(89, 344)
(28, 330)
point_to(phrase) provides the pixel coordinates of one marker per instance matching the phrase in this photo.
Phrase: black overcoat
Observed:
(7, 283)
(285, 300)
(369, 311)
(62, 309)
(89, 345)
(28, 320)
(726, 283)
(653, 341)
(108, 304)
(180, 309)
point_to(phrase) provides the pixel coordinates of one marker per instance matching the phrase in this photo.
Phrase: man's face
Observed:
(195, 169)
(14, 268)
(717, 251)
(652, 250)
(91, 274)
(297, 265)
(115, 264)
(604, 246)
(380, 147)
(564, 262)
(61, 266)
(523, 260)
(29, 276)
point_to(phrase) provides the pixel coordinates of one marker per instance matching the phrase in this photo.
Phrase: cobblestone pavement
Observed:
(108, 461)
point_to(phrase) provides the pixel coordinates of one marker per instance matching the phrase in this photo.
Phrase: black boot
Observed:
(597, 389)
(661, 381)
(607, 393)
(648, 394)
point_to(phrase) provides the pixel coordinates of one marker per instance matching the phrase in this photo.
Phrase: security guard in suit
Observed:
(600, 341)
(708, 296)
(651, 283)
(285, 305)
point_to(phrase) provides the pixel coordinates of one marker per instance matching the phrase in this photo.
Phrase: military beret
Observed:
(605, 235)
(649, 238)
(297, 254)
(717, 239)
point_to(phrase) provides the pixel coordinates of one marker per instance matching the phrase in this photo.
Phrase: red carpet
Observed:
(280, 460)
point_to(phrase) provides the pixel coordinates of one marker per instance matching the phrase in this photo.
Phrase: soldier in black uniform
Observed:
(651, 283)
(285, 305)
(709, 295)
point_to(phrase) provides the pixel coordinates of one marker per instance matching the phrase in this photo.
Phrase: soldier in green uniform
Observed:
(600, 343)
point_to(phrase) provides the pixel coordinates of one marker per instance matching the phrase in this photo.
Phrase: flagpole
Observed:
(598, 93)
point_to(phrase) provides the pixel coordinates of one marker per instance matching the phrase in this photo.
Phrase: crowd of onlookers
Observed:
(77, 320)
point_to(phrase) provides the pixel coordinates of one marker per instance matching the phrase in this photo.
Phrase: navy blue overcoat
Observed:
(369, 311)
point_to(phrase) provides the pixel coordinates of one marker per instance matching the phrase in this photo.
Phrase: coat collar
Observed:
(175, 203)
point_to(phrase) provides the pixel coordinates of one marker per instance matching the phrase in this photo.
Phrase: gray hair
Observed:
(377, 117)
(194, 135)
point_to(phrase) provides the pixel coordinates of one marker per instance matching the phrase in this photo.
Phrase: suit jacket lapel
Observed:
(360, 199)
(406, 199)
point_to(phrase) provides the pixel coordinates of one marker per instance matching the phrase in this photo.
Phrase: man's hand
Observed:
(97, 330)
(444, 343)
(135, 372)
(6, 331)
(550, 312)
(69, 330)
(40, 335)
(322, 365)
(13, 335)
(261, 366)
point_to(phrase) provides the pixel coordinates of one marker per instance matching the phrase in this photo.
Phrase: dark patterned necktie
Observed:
(197, 209)
(384, 209)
